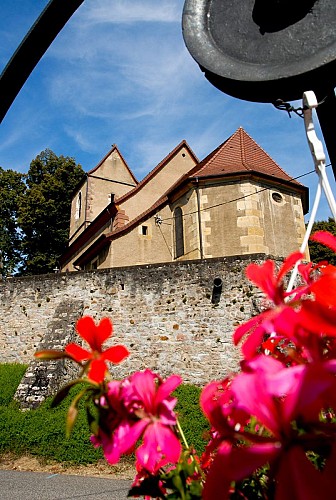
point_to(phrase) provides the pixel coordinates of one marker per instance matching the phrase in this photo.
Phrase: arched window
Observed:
(179, 240)
(78, 206)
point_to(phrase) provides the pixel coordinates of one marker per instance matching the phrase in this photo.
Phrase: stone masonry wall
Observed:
(163, 313)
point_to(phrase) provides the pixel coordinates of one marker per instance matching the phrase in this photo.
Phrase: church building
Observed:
(236, 201)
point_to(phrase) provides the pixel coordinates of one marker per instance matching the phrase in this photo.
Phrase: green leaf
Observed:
(73, 413)
(63, 393)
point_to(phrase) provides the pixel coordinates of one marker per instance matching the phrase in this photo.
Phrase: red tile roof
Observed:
(240, 154)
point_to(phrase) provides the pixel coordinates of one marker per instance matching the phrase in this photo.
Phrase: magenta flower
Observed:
(270, 282)
(150, 399)
(325, 238)
(141, 405)
(273, 396)
(115, 424)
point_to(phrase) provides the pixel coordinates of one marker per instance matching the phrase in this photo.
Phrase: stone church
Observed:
(234, 202)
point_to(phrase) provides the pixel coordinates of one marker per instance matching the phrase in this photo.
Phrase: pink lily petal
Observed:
(299, 477)
(210, 403)
(324, 288)
(122, 440)
(115, 354)
(143, 384)
(317, 318)
(235, 464)
(325, 238)
(253, 342)
(248, 327)
(218, 405)
(263, 276)
(160, 447)
(167, 387)
(288, 263)
(135, 431)
(110, 447)
(77, 352)
(313, 390)
(252, 395)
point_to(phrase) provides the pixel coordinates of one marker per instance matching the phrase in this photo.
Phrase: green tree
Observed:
(44, 212)
(319, 252)
(12, 188)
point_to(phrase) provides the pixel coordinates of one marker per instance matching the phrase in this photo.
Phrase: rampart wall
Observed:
(163, 313)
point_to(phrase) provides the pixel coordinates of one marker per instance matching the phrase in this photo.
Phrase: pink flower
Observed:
(271, 283)
(234, 464)
(95, 336)
(324, 288)
(150, 399)
(265, 277)
(115, 424)
(325, 238)
(141, 405)
(273, 396)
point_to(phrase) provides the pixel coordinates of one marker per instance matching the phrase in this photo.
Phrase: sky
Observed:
(119, 73)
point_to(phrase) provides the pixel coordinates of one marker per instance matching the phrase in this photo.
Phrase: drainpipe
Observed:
(199, 219)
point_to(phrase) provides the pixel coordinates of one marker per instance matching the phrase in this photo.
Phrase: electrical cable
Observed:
(241, 197)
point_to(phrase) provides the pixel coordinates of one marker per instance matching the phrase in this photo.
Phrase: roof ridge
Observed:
(113, 148)
(268, 156)
(156, 169)
(242, 147)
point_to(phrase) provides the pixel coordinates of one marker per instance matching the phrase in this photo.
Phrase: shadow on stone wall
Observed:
(44, 378)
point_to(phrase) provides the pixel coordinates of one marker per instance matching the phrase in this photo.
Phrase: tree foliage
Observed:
(44, 211)
(12, 188)
(319, 252)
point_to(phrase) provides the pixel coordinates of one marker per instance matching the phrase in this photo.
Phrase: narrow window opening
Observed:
(179, 238)
(144, 230)
(78, 206)
(94, 264)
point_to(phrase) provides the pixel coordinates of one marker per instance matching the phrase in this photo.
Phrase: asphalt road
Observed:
(17, 485)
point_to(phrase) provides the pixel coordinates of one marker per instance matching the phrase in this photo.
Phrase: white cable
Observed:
(307, 234)
(317, 151)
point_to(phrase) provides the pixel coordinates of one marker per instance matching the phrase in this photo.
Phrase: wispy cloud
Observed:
(133, 72)
(119, 73)
(132, 11)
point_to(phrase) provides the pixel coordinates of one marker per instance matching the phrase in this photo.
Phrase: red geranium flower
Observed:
(95, 336)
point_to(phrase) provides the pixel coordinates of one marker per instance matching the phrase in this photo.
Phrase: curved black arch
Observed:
(40, 36)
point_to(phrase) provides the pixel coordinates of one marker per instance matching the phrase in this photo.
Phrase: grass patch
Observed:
(10, 377)
(41, 432)
(194, 424)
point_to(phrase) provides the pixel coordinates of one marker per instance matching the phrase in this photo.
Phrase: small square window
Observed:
(144, 230)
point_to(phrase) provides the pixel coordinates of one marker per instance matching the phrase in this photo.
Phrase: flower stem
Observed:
(185, 442)
(179, 428)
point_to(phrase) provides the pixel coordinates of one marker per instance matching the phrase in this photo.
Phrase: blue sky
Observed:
(119, 73)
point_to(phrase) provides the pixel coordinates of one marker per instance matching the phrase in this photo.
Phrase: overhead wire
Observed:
(241, 197)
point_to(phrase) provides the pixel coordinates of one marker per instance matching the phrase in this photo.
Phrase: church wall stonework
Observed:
(163, 313)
